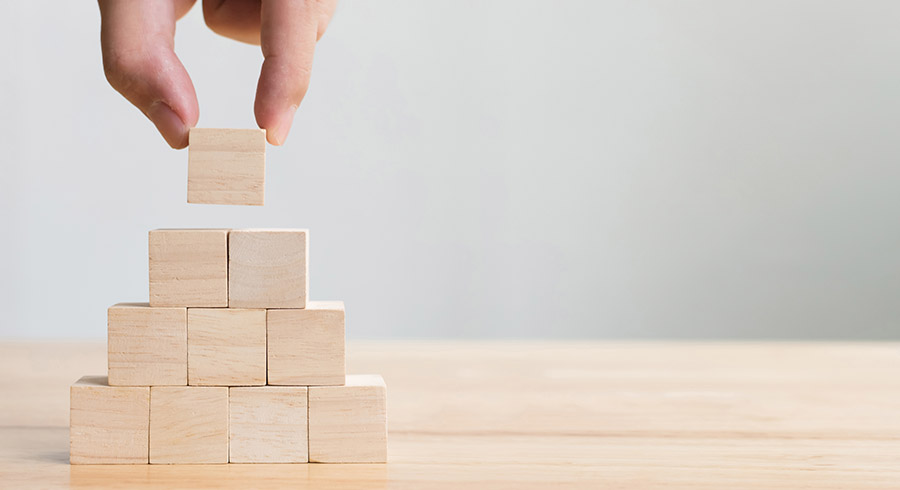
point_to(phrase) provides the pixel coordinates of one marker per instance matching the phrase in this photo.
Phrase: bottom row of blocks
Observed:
(259, 424)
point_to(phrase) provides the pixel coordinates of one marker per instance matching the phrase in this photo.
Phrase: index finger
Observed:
(288, 33)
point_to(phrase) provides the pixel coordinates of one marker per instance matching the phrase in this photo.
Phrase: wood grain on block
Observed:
(227, 166)
(189, 268)
(348, 424)
(268, 424)
(108, 424)
(188, 424)
(146, 346)
(306, 347)
(226, 347)
(268, 268)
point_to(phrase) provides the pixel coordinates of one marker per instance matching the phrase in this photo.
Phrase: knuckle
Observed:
(122, 68)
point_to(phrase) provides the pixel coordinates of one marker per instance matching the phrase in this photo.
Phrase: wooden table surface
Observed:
(536, 415)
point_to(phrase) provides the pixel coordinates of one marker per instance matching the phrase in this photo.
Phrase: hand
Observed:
(137, 38)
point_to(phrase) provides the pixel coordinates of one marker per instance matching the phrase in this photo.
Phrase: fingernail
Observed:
(280, 132)
(169, 124)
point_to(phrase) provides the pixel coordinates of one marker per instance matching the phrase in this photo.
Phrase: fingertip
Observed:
(276, 121)
(172, 128)
(278, 132)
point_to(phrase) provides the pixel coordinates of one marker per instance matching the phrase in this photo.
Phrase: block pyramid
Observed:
(228, 362)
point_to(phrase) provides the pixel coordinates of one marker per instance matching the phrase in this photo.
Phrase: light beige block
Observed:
(306, 347)
(146, 346)
(188, 424)
(268, 268)
(348, 424)
(108, 424)
(189, 268)
(268, 424)
(227, 166)
(226, 347)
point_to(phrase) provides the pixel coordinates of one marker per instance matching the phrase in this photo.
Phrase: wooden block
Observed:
(226, 347)
(268, 424)
(348, 424)
(108, 424)
(189, 268)
(146, 346)
(268, 268)
(227, 166)
(188, 424)
(306, 347)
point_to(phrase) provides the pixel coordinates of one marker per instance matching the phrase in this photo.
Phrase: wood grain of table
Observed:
(637, 415)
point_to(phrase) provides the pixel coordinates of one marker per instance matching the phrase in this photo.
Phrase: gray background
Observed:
(689, 169)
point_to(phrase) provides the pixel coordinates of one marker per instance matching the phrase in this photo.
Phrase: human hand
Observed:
(137, 39)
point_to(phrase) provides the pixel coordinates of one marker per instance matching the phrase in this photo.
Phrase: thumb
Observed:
(139, 60)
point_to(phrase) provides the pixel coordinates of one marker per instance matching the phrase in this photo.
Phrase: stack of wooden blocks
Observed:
(228, 362)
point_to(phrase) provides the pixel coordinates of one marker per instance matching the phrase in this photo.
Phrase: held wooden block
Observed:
(268, 424)
(189, 268)
(227, 166)
(146, 346)
(268, 268)
(306, 347)
(226, 347)
(108, 424)
(348, 424)
(188, 424)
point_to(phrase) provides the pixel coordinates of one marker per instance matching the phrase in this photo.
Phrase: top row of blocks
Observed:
(229, 268)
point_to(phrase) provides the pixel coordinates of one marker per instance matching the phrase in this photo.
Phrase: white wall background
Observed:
(689, 169)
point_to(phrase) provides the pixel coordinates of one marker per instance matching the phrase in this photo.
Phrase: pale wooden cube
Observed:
(268, 268)
(348, 424)
(226, 347)
(146, 346)
(306, 347)
(189, 268)
(227, 166)
(268, 424)
(188, 424)
(108, 424)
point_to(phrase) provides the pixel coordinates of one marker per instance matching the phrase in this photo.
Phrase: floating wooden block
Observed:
(227, 166)
(306, 347)
(188, 424)
(108, 424)
(226, 347)
(268, 424)
(268, 268)
(348, 424)
(189, 268)
(146, 346)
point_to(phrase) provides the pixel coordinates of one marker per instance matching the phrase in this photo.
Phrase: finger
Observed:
(137, 39)
(326, 11)
(182, 7)
(288, 33)
(235, 19)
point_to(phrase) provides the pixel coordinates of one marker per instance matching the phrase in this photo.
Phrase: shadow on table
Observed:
(55, 457)
(229, 476)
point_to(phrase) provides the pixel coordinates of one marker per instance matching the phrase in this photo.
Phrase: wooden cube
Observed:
(188, 424)
(108, 424)
(268, 424)
(189, 268)
(227, 166)
(268, 268)
(348, 424)
(146, 346)
(306, 347)
(226, 347)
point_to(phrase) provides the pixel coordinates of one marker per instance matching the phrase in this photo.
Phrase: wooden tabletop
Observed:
(536, 415)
